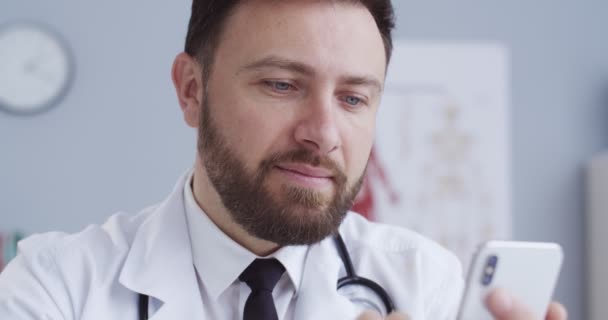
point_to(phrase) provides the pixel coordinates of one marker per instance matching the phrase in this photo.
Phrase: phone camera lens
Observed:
(489, 269)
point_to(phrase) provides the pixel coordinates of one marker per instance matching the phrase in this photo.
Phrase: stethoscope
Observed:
(351, 284)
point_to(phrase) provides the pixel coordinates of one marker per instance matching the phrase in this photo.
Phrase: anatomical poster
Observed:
(440, 163)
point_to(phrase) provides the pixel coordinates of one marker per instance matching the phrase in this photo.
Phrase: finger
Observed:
(556, 312)
(370, 315)
(397, 316)
(504, 307)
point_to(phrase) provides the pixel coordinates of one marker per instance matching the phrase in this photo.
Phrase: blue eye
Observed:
(353, 101)
(280, 86)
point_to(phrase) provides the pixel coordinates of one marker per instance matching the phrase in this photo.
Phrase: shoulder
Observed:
(363, 235)
(95, 250)
(113, 236)
(423, 277)
(54, 271)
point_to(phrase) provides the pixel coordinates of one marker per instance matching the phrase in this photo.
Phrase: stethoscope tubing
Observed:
(352, 278)
(142, 304)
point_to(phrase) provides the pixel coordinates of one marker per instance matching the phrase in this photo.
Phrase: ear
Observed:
(187, 79)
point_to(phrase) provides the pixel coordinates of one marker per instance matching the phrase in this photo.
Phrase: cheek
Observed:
(357, 150)
(252, 130)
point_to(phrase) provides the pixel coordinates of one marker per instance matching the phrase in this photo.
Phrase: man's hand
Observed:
(371, 315)
(504, 307)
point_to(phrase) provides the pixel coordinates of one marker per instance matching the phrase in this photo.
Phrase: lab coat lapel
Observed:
(318, 297)
(159, 262)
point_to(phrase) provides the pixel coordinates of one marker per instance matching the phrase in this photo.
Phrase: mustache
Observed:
(305, 156)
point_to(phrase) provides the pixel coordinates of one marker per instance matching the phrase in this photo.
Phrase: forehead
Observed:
(332, 36)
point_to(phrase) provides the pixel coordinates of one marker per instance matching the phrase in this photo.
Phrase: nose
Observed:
(317, 129)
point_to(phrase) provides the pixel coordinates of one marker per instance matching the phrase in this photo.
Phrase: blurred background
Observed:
(116, 140)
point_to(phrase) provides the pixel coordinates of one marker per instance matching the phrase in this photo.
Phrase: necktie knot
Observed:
(262, 274)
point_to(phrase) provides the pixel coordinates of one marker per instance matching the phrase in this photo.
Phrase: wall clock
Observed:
(36, 68)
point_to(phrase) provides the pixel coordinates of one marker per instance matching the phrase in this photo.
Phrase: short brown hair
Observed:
(208, 18)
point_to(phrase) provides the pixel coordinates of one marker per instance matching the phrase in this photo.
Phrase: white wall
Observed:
(118, 141)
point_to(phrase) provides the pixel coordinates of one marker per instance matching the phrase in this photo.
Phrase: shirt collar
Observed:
(219, 260)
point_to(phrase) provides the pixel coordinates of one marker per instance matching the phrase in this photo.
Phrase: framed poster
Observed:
(440, 163)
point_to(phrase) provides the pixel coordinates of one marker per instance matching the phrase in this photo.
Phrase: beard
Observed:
(293, 215)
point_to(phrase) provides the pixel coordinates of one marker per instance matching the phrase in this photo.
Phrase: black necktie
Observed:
(261, 276)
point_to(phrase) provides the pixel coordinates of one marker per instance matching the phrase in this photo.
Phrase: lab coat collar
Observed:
(159, 263)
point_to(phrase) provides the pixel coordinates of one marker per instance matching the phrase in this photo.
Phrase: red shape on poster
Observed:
(368, 195)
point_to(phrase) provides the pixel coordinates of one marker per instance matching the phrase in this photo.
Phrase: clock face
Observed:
(35, 69)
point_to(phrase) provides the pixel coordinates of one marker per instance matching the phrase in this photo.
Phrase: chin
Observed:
(309, 212)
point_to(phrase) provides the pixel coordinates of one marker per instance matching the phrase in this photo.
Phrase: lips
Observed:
(307, 170)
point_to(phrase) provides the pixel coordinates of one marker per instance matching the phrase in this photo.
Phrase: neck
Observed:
(210, 202)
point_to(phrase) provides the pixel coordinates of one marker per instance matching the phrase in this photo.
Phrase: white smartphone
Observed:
(528, 270)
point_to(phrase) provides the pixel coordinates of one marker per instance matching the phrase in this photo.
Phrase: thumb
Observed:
(397, 316)
(505, 307)
(370, 315)
(373, 315)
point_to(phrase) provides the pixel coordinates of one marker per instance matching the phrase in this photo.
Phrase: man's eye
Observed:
(279, 85)
(353, 101)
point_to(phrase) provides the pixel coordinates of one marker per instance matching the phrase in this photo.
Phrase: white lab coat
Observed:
(99, 272)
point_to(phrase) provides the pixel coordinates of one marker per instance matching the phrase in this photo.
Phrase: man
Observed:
(284, 95)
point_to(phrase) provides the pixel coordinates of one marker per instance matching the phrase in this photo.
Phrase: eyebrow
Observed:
(280, 63)
(362, 81)
(298, 67)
